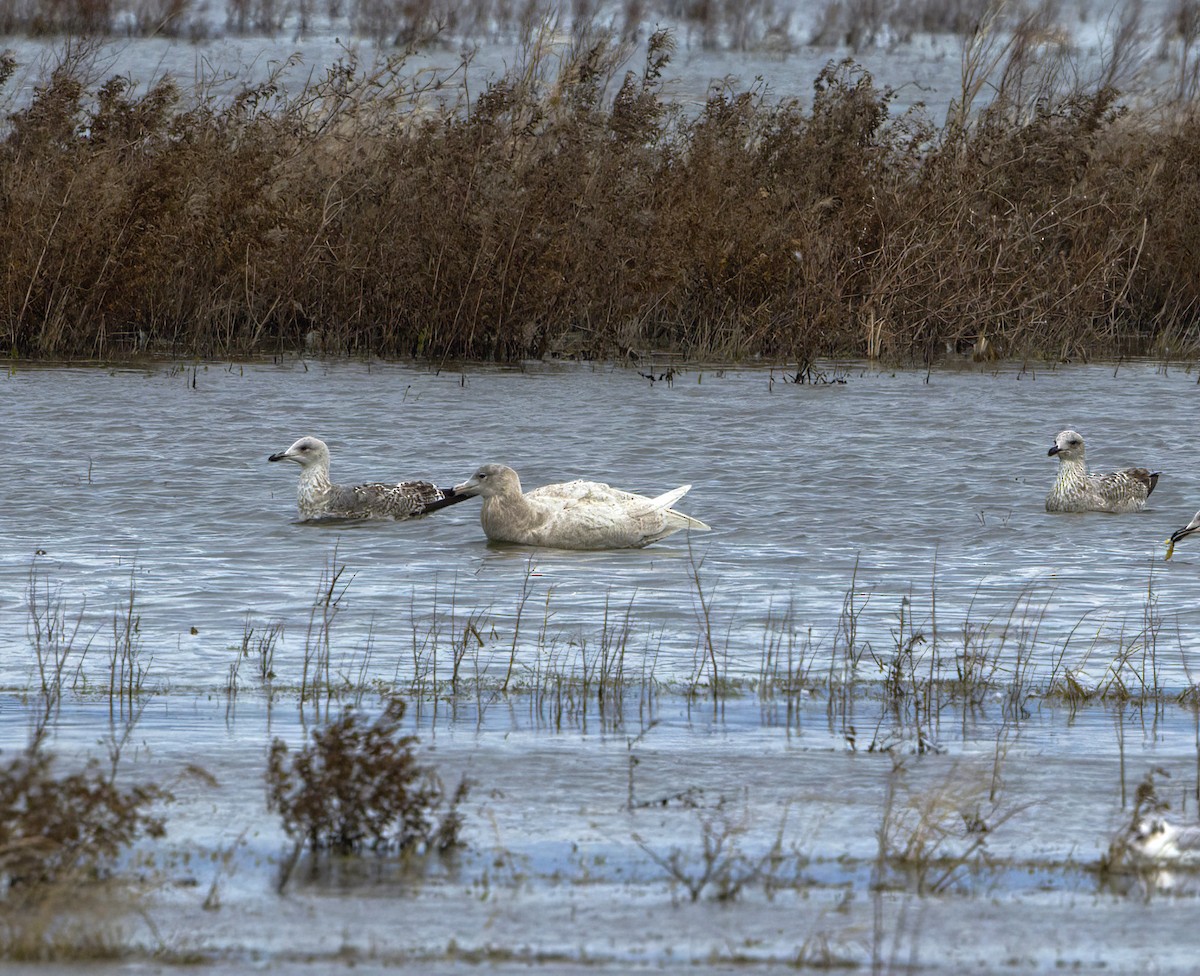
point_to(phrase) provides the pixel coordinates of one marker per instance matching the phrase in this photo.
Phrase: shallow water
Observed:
(568, 844)
(925, 488)
(898, 485)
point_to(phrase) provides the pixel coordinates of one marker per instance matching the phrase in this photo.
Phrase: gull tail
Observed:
(687, 522)
(678, 519)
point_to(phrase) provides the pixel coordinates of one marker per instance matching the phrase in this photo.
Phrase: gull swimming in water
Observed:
(573, 515)
(1156, 841)
(318, 497)
(1076, 490)
(1183, 533)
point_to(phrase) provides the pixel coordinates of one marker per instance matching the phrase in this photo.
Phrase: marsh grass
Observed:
(933, 834)
(82, 921)
(722, 869)
(1131, 670)
(53, 633)
(316, 678)
(127, 669)
(572, 209)
(498, 653)
(259, 645)
(787, 660)
(63, 833)
(921, 660)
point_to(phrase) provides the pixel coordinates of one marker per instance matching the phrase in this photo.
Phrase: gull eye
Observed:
(304, 447)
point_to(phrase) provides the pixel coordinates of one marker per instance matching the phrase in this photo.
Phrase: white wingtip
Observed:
(669, 498)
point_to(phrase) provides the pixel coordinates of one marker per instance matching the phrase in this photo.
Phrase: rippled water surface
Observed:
(914, 499)
(894, 484)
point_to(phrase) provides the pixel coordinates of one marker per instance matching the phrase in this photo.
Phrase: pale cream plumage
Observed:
(573, 515)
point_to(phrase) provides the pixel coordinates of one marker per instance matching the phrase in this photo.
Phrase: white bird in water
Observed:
(1156, 841)
(1077, 490)
(318, 497)
(573, 515)
(1183, 533)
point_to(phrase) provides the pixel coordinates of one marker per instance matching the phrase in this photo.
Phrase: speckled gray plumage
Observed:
(1078, 490)
(318, 497)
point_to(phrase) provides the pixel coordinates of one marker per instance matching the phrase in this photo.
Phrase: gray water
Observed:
(898, 485)
(905, 486)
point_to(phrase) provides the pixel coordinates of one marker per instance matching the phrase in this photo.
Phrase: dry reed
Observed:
(572, 209)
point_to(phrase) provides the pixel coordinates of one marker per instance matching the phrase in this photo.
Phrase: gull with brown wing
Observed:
(1078, 490)
(318, 497)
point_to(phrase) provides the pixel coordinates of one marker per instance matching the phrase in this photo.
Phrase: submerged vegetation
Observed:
(922, 708)
(909, 651)
(359, 786)
(572, 208)
(63, 834)
(62, 826)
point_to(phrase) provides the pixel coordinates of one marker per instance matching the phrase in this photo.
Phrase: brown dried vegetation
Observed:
(59, 825)
(573, 210)
(360, 786)
(60, 836)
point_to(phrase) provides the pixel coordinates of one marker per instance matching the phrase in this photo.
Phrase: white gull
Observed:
(1154, 840)
(573, 515)
(318, 497)
(1077, 490)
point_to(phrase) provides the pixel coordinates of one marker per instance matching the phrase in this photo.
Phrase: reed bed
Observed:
(573, 209)
(757, 25)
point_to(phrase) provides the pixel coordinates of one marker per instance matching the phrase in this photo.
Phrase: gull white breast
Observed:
(1078, 490)
(1156, 841)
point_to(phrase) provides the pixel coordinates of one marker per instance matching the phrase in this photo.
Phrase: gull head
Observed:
(1191, 527)
(306, 452)
(489, 481)
(1068, 445)
(1154, 838)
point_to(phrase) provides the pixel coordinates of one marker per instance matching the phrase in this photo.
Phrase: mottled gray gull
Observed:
(573, 515)
(1076, 490)
(318, 497)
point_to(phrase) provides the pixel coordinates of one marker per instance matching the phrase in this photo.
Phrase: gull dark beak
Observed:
(281, 456)
(1052, 451)
(1183, 533)
(1191, 527)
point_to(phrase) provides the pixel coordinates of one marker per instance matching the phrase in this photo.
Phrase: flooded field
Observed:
(887, 714)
